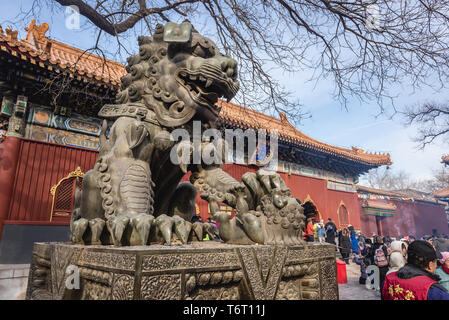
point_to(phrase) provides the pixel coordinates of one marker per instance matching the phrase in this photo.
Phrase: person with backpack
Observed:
(379, 257)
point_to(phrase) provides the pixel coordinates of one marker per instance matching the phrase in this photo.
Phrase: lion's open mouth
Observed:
(207, 84)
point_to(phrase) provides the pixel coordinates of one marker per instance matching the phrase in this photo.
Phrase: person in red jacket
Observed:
(417, 279)
(309, 232)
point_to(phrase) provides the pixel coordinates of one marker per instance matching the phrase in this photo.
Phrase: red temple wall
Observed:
(40, 165)
(368, 223)
(9, 151)
(428, 217)
(416, 218)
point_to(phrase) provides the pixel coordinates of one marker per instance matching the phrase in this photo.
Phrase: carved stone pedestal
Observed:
(206, 270)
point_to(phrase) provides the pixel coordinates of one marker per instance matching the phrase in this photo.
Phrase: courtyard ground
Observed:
(352, 290)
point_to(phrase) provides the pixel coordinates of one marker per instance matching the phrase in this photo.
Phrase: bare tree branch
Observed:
(432, 119)
(332, 38)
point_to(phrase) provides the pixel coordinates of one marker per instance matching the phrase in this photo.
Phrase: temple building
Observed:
(49, 135)
(400, 214)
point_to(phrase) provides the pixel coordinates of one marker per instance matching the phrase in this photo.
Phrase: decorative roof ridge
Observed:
(85, 63)
(90, 56)
(9, 35)
(395, 194)
(380, 191)
(56, 53)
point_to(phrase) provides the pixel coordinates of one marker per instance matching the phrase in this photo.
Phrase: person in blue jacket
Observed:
(354, 242)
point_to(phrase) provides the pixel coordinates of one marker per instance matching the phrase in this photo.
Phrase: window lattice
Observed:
(64, 196)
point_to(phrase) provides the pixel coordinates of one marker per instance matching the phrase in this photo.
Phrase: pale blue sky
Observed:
(330, 122)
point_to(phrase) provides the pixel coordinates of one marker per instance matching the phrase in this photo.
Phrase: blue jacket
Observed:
(321, 232)
(354, 244)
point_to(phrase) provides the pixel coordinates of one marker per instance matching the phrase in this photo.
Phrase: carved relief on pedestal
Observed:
(213, 285)
(328, 280)
(39, 279)
(310, 287)
(179, 260)
(122, 287)
(108, 260)
(161, 287)
(263, 268)
(222, 272)
(304, 277)
(288, 290)
(95, 291)
(95, 284)
(61, 258)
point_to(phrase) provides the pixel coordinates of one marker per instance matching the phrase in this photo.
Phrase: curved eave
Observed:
(43, 60)
(289, 134)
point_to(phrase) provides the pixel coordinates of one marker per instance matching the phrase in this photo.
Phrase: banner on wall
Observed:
(379, 197)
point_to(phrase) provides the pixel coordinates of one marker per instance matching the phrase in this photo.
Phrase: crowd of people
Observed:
(408, 268)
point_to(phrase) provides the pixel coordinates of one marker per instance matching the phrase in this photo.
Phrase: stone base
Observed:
(205, 271)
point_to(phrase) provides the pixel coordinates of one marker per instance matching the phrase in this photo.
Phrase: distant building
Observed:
(443, 194)
(51, 134)
(399, 214)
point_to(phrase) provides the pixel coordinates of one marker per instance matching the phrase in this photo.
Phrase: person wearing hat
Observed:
(443, 270)
(417, 279)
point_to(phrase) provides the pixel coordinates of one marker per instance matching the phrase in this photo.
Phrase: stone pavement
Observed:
(13, 281)
(352, 290)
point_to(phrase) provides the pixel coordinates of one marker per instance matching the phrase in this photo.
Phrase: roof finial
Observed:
(38, 31)
(11, 34)
(284, 118)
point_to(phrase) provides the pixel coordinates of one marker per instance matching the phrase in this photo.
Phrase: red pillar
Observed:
(9, 153)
